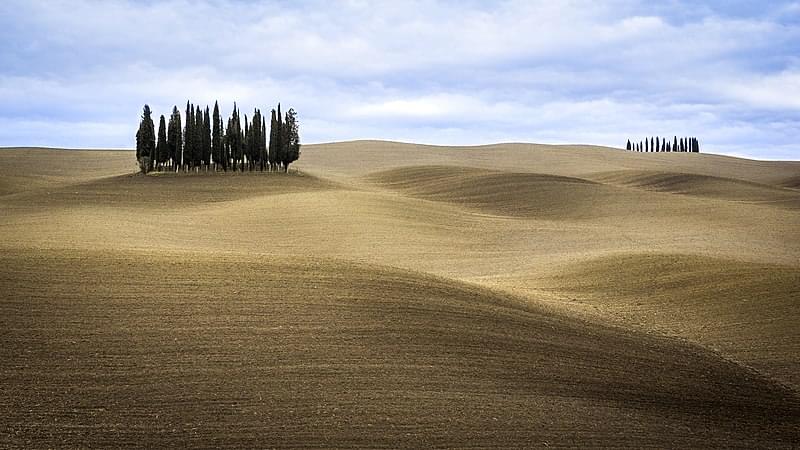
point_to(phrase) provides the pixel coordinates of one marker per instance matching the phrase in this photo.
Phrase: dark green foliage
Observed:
(188, 136)
(292, 139)
(281, 138)
(659, 144)
(162, 149)
(247, 140)
(216, 138)
(274, 141)
(198, 137)
(206, 138)
(264, 156)
(145, 140)
(234, 140)
(695, 145)
(203, 141)
(175, 138)
(226, 147)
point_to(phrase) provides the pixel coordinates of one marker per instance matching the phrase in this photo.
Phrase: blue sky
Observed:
(76, 73)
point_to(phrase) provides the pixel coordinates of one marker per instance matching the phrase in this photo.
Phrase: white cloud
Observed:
(773, 91)
(425, 70)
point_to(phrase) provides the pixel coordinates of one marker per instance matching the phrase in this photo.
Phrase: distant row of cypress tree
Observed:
(686, 144)
(203, 144)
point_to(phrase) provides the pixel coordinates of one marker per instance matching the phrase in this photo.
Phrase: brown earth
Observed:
(393, 295)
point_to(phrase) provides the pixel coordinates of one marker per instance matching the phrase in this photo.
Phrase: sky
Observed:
(76, 73)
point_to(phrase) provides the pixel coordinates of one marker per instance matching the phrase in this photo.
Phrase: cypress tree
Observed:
(162, 150)
(248, 137)
(281, 135)
(675, 145)
(198, 137)
(264, 156)
(226, 146)
(206, 138)
(240, 140)
(174, 138)
(235, 139)
(145, 140)
(188, 136)
(628, 145)
(658, 144)
(216, 137)
(292, 138)
(273, 141)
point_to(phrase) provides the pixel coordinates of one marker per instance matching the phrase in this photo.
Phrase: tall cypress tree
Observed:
(247, 141)
(235, 138)
(175, 138)
(188, 137)
(206, 138)
(145, 140)
(281, 149)
(273, 141)
(628, 145)
(216, 137)
(264, 160)
(226, 145)
(162, 150)
(198, 136)
(292, 139)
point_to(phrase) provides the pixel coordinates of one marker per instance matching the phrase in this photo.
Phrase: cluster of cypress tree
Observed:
(203, 144)
(686, 144)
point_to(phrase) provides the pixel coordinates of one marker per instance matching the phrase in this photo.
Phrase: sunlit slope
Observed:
(23, 169)
(480, 223)
(704, 186)
(745, 310)
(502, 193)
(212, 350)
(364, 157)
(167, 191)
(792, 182)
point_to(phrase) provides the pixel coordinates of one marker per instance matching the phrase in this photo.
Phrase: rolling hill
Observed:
(401, 295)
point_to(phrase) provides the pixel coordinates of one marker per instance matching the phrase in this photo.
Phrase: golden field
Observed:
(397, 295)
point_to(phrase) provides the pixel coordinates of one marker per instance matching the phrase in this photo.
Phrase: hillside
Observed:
(388, 294)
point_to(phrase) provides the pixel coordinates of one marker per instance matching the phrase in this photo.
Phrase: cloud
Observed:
(432, 71)
(780, 91)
